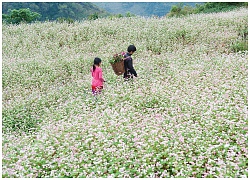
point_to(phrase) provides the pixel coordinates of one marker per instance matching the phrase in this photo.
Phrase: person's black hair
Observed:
(131, 48)
(97, 61)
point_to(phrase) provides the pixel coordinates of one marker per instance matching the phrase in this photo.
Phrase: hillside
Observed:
(54, 10)
(184, 116)
(140, 8)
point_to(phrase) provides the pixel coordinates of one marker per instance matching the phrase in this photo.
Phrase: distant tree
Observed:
(176, 10)
(128, 14)
(21, 15)
(208, 7)
(93, 16)
(67, 20)
(119, 15)
(53, 10)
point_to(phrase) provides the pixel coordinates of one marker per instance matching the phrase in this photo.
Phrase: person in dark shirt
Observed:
(128, 63)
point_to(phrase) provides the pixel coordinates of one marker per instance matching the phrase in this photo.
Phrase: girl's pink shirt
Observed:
(97, 79)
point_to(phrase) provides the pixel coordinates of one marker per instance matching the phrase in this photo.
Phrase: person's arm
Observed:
(131, 68)
(100, 76)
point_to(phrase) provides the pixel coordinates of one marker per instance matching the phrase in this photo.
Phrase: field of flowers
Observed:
(184, 116)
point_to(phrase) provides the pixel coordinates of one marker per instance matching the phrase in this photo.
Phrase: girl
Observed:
(97, 79)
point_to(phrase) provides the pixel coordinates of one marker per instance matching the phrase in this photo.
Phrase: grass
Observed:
(184, 116)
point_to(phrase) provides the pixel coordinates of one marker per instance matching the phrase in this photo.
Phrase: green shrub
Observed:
(242, 43)
(19, 119)
(180, 10)
(208, 7)
(63, 19)
(21, 15)
(243, 31)
(239, 46)
(175, 10)
(93, 16)
(128, 14)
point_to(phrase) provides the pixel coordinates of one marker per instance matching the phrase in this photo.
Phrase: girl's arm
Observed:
(100, 76)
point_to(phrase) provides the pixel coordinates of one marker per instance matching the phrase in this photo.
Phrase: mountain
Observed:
(81, 10)
(54, 10)
(141, 8)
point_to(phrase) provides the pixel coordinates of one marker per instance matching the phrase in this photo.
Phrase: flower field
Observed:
(186, 115)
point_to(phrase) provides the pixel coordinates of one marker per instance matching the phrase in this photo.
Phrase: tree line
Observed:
(77, 11)
(48, 11)
(208, 7)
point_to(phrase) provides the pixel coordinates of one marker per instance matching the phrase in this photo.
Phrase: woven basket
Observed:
(118, 68)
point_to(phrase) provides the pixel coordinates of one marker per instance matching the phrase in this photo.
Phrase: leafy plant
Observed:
(20, 119)
(21, 15)
(62, 20)
(93, 16)
(117, 58)
(51, 11)
(208, 7)
(239, 46)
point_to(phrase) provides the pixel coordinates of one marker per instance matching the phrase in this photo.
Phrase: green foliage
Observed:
(116, 58)
(20, 119)
(242, 30)
(180, 10)
(128, 14)
(147, 9)
(176, 9)
(208, 7)
(239, 46)
(119, 15)
(55, 10)
(21, 15)
(67, 20)
(93, 16)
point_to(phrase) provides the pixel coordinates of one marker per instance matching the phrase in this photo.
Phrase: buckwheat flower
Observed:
(181, 139)
(244, 150)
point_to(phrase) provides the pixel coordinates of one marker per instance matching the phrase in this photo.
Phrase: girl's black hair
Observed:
(97, 61)
(131, 48)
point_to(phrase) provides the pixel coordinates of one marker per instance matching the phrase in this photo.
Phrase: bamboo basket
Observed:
(118, 67)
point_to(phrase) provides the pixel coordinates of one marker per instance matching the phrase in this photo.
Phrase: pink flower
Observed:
(244, 150)
(181, 139)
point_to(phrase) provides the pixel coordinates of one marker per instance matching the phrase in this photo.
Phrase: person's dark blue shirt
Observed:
(128, 65)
